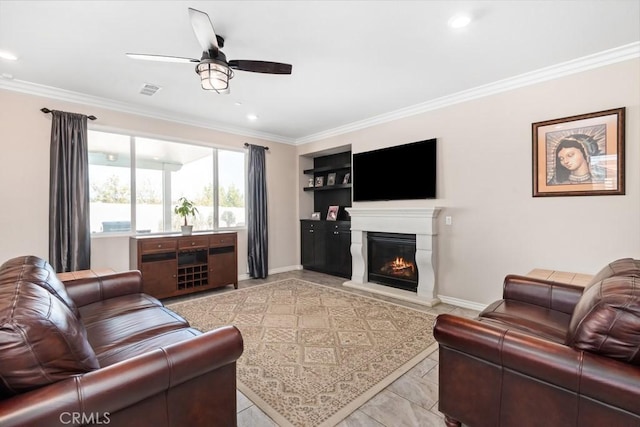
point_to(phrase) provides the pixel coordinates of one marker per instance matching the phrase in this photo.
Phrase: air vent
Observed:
(149, 89)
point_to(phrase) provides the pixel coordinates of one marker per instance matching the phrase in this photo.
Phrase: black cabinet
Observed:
(313, 244)
(326, 246)
(338, 248)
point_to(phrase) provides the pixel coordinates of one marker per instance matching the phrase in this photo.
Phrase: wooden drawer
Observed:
(222, 240)
(193, 242)
(159, 245)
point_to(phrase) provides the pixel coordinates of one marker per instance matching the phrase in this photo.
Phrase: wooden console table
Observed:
(174, 265)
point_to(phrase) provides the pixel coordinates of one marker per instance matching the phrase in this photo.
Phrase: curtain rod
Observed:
(246, 144)
(47, 111)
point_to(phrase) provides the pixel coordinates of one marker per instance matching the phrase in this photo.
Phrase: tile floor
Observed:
(412, 400)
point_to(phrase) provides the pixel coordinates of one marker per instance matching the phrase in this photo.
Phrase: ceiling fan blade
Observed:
(260, 66)
(161, 58)
(203, 29)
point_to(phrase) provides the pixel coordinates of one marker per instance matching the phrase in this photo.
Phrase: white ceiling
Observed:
(352, 60)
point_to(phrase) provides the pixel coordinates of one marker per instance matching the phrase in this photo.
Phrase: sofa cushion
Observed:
(108, 308)
(620, 267)
(127, 351)
(606, 320)
(39, 272)
(528, 318)
(130, 327)
(41, 340)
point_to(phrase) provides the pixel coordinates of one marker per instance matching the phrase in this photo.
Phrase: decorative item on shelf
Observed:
(332, 213)
(331, 179)
(319, 181)
(310, 182)
(185, 208)
(579, 155)
(316, 216)
(345, 180)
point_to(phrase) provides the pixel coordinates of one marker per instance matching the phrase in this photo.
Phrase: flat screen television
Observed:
(403, 172)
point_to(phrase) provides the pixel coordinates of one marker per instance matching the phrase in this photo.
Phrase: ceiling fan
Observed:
(213, 68)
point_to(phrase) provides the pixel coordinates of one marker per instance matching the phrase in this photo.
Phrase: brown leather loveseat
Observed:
(99, 351)
(547, 354)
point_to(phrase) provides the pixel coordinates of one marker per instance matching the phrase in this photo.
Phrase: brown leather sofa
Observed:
(98, 351)
(547, 354)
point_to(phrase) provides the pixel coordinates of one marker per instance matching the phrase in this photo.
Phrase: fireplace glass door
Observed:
(392, 260)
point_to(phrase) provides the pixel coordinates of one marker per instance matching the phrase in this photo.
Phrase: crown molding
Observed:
(601, 59)
(94, 101)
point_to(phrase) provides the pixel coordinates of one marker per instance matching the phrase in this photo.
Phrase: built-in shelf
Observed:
(328, 187)
(327, 169)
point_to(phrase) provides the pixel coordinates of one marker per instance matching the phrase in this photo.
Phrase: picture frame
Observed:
(332, 213)
(580, 155)
(319, 181)
(310, 183)
(315, 216)
(331, 179)
(346, 178)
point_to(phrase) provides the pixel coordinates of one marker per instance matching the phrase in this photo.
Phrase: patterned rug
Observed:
(314, 354)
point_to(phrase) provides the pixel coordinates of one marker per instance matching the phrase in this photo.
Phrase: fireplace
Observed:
(417, 222)
(392, 260)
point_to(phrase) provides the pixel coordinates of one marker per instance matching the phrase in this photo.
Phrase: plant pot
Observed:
(186, 230)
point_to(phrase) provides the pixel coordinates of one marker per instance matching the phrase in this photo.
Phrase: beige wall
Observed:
(24, 177)
(484, 183)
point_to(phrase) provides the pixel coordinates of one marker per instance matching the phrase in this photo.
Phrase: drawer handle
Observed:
(193, 243)
(160, 245)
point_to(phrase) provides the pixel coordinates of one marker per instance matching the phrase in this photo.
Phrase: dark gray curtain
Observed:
(69, 231)
(257, 213)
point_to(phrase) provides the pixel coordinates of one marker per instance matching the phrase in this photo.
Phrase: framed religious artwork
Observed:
(579, 155)
(319, 181)
(331, 179)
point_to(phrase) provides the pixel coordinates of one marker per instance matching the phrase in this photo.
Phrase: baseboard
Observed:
(285, 269)
(462, 303)
(272, 271)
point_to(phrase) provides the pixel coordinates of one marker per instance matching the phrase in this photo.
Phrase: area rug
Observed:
(314, 354)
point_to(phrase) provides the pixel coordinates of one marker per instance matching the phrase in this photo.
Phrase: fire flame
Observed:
(401, 264)
(399, 267)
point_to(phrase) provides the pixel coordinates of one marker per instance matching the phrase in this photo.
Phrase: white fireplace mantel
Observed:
(418, 221)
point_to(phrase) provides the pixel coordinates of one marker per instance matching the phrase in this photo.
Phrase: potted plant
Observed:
(185, 208)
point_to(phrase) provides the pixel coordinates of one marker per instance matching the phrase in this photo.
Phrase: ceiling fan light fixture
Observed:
(214, 75)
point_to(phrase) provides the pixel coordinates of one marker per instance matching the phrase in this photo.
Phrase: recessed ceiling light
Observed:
(8, 55)
(237, 103)
(252, 117)
(459, 21)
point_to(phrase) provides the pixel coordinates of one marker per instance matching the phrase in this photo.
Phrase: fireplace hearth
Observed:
(391, 260)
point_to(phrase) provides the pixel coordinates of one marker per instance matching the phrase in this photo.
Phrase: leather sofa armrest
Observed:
(556, 296)
(93, 289)
(583, 373)
(126, 384)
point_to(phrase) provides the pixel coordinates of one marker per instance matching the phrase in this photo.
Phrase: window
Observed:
(157, 175)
